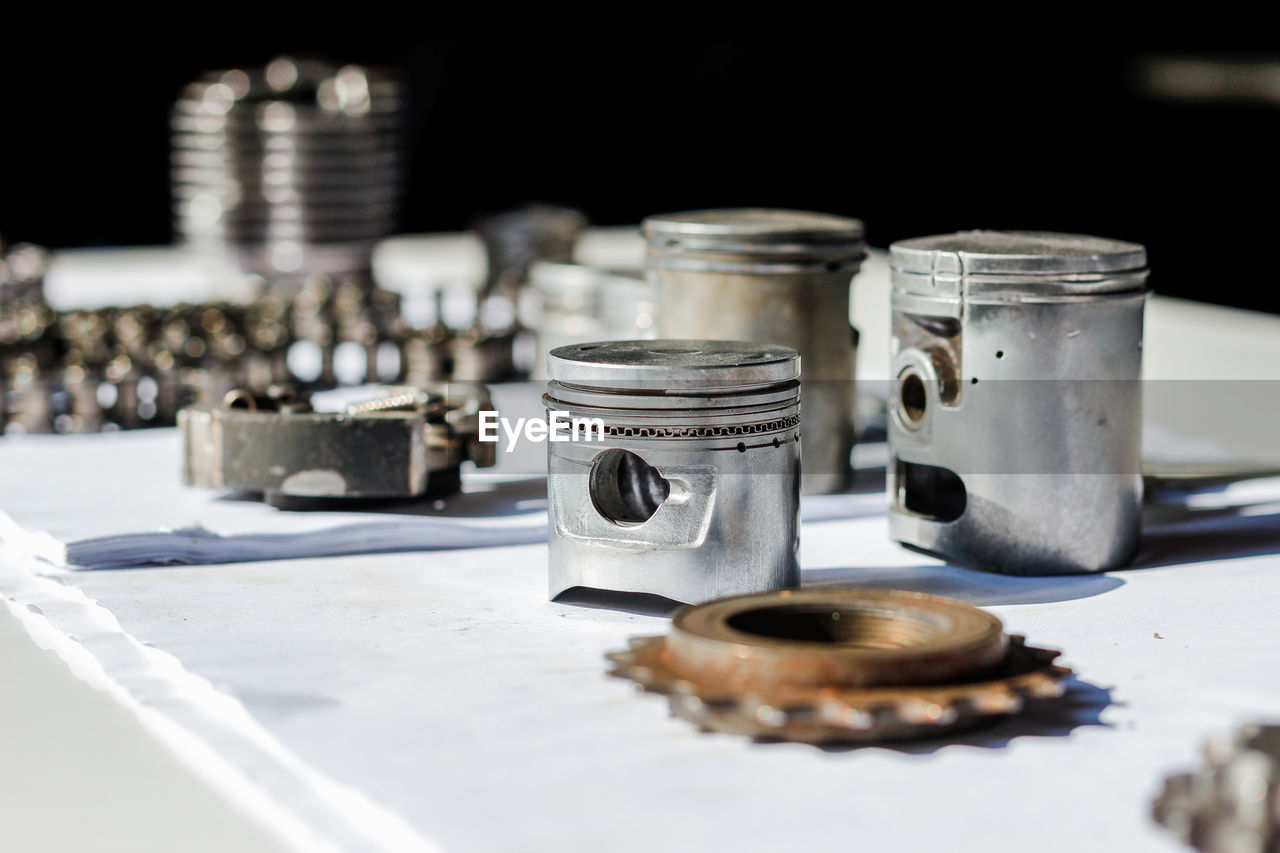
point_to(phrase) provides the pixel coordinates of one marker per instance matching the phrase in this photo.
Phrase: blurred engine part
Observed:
(683, 480)
(403, 443)
(839, 665)
(22, 269)
(1016, 412)
(577, 304)
(517, 239)
(127, 367)
(1231, 804)
(289, 169)
(25, 320)
(771, 276)
(440, 354)
(487, 348)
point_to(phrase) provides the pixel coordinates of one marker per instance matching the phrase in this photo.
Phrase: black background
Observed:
(913, 138)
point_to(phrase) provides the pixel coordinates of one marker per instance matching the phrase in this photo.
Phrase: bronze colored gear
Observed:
(839, 665)
(1231, 804)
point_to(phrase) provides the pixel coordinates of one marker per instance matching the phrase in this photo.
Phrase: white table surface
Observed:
(92, 769)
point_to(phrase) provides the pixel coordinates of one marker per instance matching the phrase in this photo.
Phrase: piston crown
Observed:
(754, 235)
(718, 364)
(1018, 253)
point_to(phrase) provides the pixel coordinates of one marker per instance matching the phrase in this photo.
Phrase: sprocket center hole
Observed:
(867, 628)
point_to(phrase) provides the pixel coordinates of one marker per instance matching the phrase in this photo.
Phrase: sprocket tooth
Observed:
(844, 715)
(921, 712)
(1043, 657)
(885, 716)
(642, 675)
(801, 714)
(1045, 688)
(997, 702)
(770, 716)
(688, 703)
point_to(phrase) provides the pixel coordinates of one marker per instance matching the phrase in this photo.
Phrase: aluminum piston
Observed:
(1016, 407)
(691, 490)
(770, 276)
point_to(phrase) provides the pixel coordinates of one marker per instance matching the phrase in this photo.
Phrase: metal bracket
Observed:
(403, 443)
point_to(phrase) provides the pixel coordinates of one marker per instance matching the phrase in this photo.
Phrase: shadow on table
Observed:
(481, 499)
(1207, 535)
(1082, 705)
(975, 587)
(639, 603)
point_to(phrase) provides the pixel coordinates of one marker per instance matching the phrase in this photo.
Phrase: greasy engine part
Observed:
(1232, 803)
(839, 665)
(683, 479)
(404, 443)
(1016, 411)
(777, 277)
(293, 168)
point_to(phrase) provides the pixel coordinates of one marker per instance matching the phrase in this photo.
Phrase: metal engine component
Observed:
(839, 665)
(135, 366)
(579, 303)
(1232, 803)
(24, 320)
(292, 168)
(1016, 409)
(514, 242)
(404, 443)
(485, 350)
(517, 239)
(771, 276)
(693, 491)
(22, 269)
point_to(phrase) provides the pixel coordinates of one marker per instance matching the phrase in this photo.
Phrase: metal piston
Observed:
(1015, 413)
(693, 493)
(770, 276)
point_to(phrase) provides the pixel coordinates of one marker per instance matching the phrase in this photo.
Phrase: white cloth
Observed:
(396, 701)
